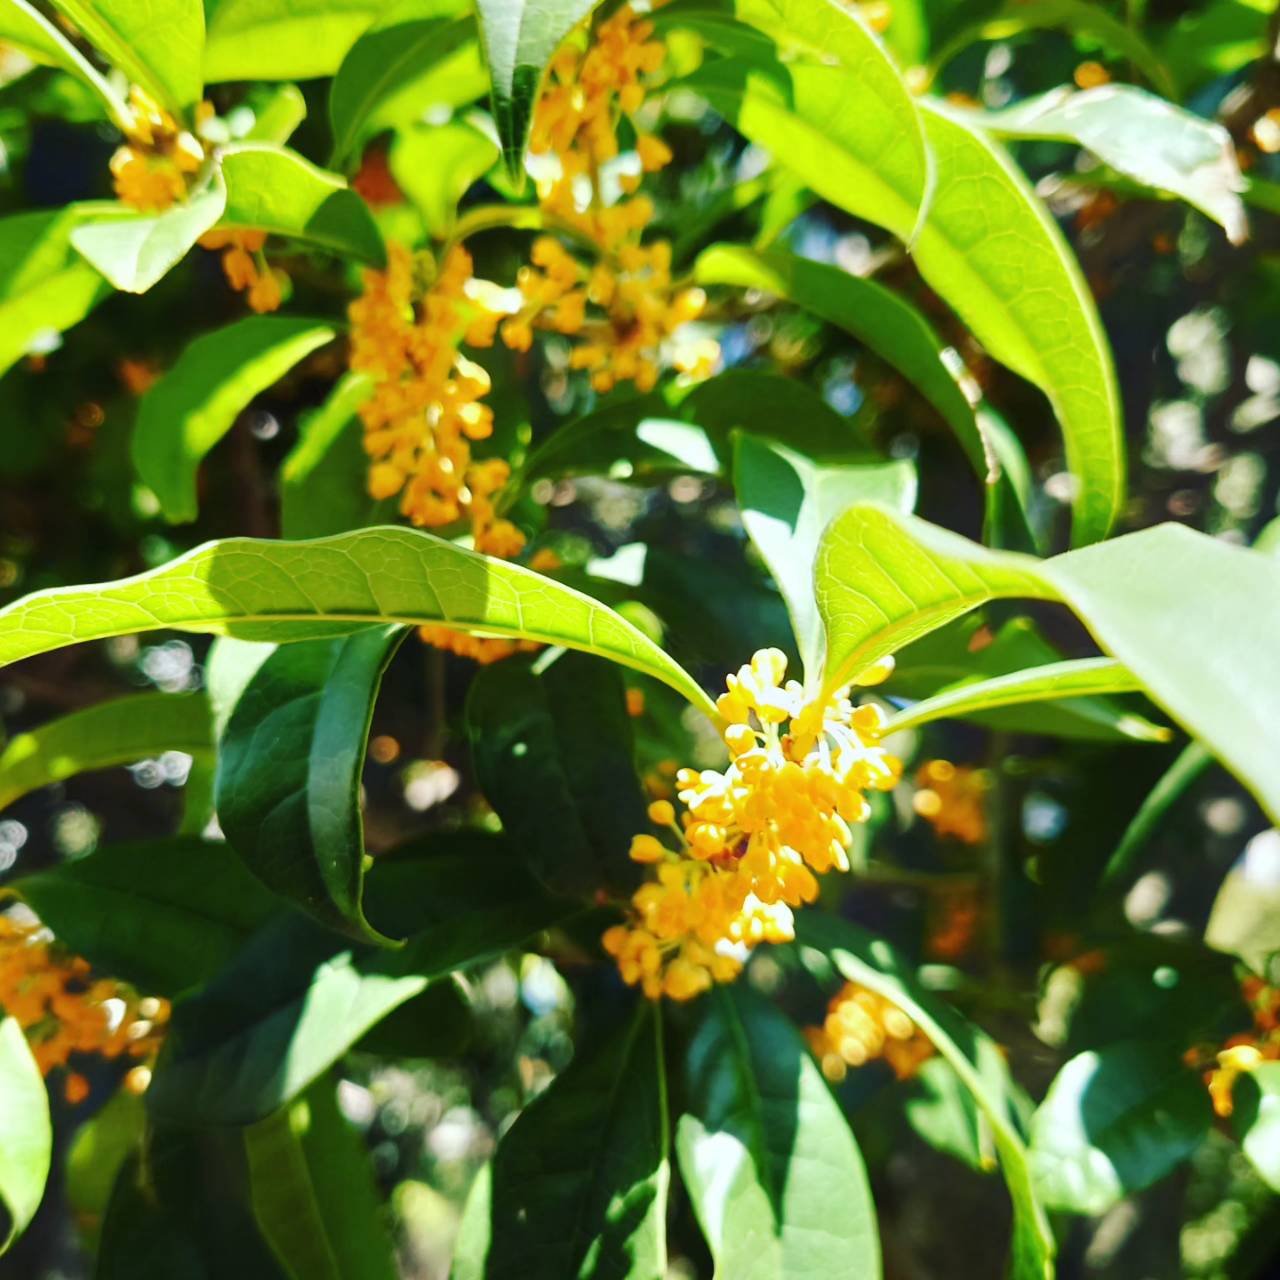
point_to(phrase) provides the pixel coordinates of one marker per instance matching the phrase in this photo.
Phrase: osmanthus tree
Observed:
(535, 250)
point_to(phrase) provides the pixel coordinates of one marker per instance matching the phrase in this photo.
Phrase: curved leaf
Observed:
(158, 45)
(871, 962)
(281, 591)
(289, 766)
(1140, 135)
(135, 250)
(436, 166)
(1256, 1120)
(1115, 1121)
(165, 915)
(519, 38)
(579, 1182)
(1036, 684)
(271, 40)
(272, 189)
(26, 1136)
(27, 29)
(122, 731)
(194, 405)
(767, 1157)
(401, 48)
(787, 501)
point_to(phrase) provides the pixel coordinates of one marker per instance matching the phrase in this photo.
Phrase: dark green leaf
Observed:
(579, 1182)
(769, 1161)
(571, 808)
(1115, 1121)
(289, 766)
(95, 1158)
(193, 406)
(164, 914)
(26, 1138)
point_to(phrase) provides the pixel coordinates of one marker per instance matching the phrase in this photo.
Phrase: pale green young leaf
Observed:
(767, 1157)
(26, 1137)
(1256, 1120)
(281, 591)
(519, 38)
(135, 250)
(435, 165)
(159, 45)
(272, 189)
(277, 113)
(121, 731)
(394, 59)
(45, 287)
(25, 28)
(281, 39)
(787, 501)
(1139, 135)
(1082, 678)
(871, 962)
(194, 405)
(1115, 1121)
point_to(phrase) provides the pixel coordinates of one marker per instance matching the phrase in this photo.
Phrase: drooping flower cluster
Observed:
(952, 799)
(154, 168)
(1243, 1052)
(246, 267)
(751, 837)
(623, 306)
(63, 1009)
(862, 1026)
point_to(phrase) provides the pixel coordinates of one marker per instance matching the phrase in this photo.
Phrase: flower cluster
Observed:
(246, 267)
(751, 837)
(624, 305)
(952, 799)
(1243, 1052)
(153, 169)
(862, 1026)
(64, 1009)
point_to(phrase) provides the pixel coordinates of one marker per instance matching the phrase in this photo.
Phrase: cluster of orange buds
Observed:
(862, 1026)
(952, 799)
(246, 267)
(153, 169)
(1243, 1052)
(623, 307)
(63, 1009)
(751, 837)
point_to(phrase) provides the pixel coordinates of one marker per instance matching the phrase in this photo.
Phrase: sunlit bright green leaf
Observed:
(435, 166)
(26, 1137)
(281, 39)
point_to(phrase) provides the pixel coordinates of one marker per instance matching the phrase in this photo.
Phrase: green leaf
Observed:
(94, 1160)
(870, 961)
(281, 39)
(26, 1137)
(165, 915)
(135, 250)
(45, 287)
(579, 1182)
(322, 479)
(1193, 618)
(1141, 136)
(277, 114)
(571, 811)
(292, 1001)
(787, 501)
(1214, 40)
(436, 166)
(1256, 1120)
(122, 731)
(272, 189)
(266, 590)
(289, 766)
(1079, 18)
(393, 59)
(194, 405)
(894, 330)
(768, 1160)
(1082, 678)
(519, 38)
(158, 45)
(992, 251)
(25, 28)
(313, 1194)
(1114, 1122)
